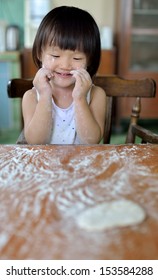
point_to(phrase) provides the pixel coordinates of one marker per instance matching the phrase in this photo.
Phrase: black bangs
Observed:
(69, 36)
(71, 30)
(66, 40)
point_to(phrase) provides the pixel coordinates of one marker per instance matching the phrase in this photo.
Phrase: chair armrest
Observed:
(146, 135)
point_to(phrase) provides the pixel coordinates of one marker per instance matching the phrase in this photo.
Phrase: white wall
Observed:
(102, 10)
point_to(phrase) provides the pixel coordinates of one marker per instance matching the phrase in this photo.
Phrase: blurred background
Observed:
(129, 38)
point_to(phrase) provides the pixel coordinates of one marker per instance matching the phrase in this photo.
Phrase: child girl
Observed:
(64, 107)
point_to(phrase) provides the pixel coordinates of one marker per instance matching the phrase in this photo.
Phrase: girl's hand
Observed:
(42, 81)
(82, 84)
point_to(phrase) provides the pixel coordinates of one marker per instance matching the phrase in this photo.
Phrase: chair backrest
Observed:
(17, 87)
(114, 86)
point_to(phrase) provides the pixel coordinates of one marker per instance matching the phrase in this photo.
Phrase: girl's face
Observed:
(62, 62)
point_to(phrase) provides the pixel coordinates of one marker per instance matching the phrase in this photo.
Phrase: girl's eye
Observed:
(55, 55)
(77, 58)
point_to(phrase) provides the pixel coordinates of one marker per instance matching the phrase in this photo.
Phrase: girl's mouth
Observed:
(64, 74)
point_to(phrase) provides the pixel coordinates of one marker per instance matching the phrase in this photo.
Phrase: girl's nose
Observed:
(65, 63)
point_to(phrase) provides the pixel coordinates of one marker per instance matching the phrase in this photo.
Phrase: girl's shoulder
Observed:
(97, 93)
(30, 95)
(98, 89)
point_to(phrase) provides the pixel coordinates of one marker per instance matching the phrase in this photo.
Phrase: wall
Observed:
(102, 10)
(12, 11)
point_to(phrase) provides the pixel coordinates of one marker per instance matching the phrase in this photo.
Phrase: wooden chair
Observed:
(16, 89)
(114, 87)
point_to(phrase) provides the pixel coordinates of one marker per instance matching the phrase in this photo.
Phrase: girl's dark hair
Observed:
(69, 28)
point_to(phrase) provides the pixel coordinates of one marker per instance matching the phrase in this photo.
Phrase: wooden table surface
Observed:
(43, 189)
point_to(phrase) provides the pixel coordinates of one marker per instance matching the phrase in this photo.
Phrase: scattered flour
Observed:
(54, 187)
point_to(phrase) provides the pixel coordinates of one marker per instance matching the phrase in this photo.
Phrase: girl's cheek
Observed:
(53, 60)
(84, 66)
(81, 66)
(49, 64)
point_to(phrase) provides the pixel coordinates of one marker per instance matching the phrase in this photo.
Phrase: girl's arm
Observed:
(90, 119)
(38, 114)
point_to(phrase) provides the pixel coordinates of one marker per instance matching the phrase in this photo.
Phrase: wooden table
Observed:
(44, 188)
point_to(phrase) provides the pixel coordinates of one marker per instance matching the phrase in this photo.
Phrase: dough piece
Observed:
(119, 213)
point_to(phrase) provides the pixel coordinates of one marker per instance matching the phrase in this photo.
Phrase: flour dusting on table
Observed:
(53, 186)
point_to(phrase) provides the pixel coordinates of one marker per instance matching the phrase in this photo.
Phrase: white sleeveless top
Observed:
(64, 128)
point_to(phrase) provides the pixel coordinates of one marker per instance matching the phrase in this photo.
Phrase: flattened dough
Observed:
(118, 213)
